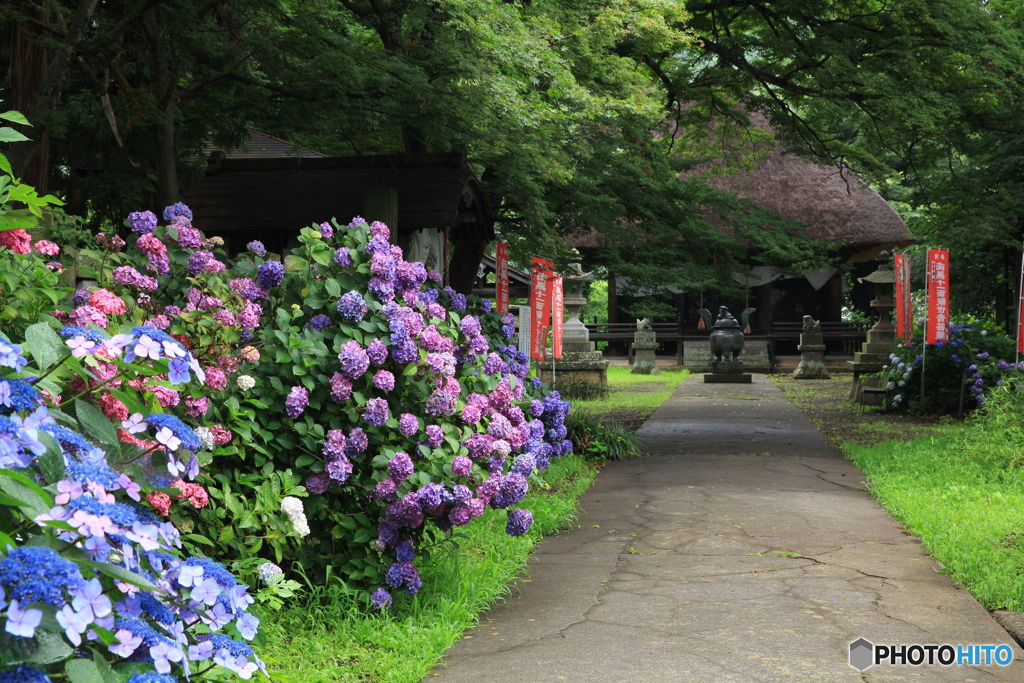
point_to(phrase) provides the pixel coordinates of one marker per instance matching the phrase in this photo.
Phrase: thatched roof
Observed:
(833, 203)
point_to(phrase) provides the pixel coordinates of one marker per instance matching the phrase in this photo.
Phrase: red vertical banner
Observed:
(540, 306)
(501, 277)
(904, 306)
(938, 296)
(557, 314)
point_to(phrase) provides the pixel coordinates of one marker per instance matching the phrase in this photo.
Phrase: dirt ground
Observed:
(826, 403)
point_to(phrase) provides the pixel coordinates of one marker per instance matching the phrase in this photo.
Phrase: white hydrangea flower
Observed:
(267, 571)
(292, 506)
(205, 437)
(890, 386)
(245, 382)
(897, 399)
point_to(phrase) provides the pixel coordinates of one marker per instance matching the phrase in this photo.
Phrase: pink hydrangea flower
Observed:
(108, 302)
(47, 247)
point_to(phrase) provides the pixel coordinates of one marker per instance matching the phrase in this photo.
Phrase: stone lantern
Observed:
(874, 353)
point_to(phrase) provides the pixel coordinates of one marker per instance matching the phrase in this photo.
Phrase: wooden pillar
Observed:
(381, 204)
(834, 305)
(613, 300)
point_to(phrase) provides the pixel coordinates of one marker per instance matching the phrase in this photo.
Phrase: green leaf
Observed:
(24, 489)
(95, 422)
(83, 671)
(196, 538)
(51, 463)
(333, 288)
(118, 573)
(51, 648)
(15, 116)
(44, 344)
(314, 301)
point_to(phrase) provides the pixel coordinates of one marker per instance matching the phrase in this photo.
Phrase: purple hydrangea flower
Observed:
(381, 599)
(434, 435)
(343, 257)
(400, 467)
(189, 238)
(384, 380)
(296, 402)
(270, 274)
(354, 360)
(385, 490)
(403, 574)
(441, 403)
(376, 412)
(470, 326)
(405, 352)
(377, 351)
(257, 248)
(341, 388)
(458, 302)
(519, 522)
(326, 231)
(352, 307)
(319, 322)
(357, 441)
(462, 466)
(408, 424)
(142, 222)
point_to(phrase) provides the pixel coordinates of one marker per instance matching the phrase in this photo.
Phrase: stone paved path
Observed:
(744, 549)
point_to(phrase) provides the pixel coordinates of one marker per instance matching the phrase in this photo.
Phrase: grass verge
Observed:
(631, 399)
(329, 637)
(959, 486)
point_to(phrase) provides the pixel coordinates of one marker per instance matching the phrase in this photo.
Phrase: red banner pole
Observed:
(501, 277)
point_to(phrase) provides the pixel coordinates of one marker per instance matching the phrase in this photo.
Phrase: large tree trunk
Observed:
(165, 158)
(27, 69)
(47, 97)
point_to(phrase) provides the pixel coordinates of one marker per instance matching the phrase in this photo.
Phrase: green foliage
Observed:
(14, 193)
(601, 441)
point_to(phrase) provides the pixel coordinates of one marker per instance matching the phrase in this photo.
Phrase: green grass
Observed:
(634, 393)
(329, 637)
(963, 494)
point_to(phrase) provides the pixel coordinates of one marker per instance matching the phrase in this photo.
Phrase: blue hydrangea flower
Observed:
(177, 209)
(183, 432)
(381, 599)
(142, 222)
(403, 574)
(17, 395)
(319, 322)
(38, 574)
(24, 674)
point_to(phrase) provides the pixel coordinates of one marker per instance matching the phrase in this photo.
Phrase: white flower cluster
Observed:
(292, 506)
(245, 382)
(267, 571)
(205, 438)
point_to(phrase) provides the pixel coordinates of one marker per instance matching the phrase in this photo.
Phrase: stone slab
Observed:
(727, 379)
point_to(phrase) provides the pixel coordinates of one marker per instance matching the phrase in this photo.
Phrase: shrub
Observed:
(381, 393)
(94, 585)
(597, 441)
(978, 354)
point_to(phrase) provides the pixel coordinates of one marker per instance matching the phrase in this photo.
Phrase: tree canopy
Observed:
(557, 104)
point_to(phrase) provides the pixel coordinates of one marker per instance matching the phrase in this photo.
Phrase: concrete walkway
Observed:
(744, 549)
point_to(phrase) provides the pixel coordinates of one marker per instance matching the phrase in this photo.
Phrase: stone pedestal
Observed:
(580, 362)
(645, 345)
(812, 355)
(728, 372)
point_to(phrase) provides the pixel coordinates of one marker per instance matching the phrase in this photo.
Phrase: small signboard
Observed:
(557, 315)
(540, 305)
(501, 277)
(904, 306)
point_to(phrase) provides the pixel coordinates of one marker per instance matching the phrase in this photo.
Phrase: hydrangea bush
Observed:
(977, 357)
(93, 585)
(383, 394)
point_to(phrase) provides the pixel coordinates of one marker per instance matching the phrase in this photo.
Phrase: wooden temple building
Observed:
(271, 189)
